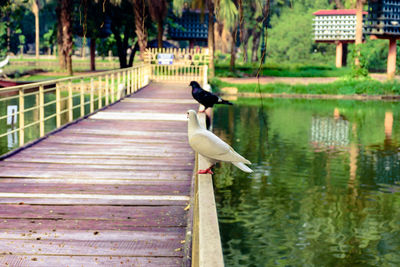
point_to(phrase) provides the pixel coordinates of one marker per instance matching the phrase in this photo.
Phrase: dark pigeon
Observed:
(207, 99)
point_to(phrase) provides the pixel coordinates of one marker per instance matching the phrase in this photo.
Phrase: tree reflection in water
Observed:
(326, 196)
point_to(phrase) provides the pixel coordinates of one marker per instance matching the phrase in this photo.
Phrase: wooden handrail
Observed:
(60, 99)
(207, 249)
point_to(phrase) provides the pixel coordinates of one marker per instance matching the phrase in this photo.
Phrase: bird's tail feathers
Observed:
(239, 157)
(222, 101)
(242, 166)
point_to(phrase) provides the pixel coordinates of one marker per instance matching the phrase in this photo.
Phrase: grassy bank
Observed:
(280, 70)
(340, 87)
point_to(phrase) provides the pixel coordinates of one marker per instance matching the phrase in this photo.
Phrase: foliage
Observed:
(280, 70)
(360, 70)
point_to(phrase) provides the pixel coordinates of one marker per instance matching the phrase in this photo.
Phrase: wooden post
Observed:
(133, 81)
(100, 103)
(391, 62)
(128, 82)
(107, 90)
(58, 106)
(91, 95)
(82, 99)
(41, 111)
(112, 87)
(339, 54)
(70, 103)
(21, 118)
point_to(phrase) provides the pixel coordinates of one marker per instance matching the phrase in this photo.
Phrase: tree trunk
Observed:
(35, 11)
(233, 49)
(160, 31)
(93, 54)
(210, 5)
(139, 9)
(121, 50)
(245, 41)
(339, 4)
(61, 57)
(256, 44)
(65, 22)
(359, 27)
(134, 48)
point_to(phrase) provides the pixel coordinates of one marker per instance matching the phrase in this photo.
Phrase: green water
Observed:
(326, 186)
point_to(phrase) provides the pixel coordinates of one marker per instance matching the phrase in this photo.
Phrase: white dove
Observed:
(212, 147)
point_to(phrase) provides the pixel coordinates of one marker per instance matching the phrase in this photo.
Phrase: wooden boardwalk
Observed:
(110, 190)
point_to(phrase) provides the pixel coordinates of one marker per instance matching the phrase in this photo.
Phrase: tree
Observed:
(139, 8)
(211, 8)
(121, 16)
(228, 12)
(64, 34)
(158, 11)
(36, 5)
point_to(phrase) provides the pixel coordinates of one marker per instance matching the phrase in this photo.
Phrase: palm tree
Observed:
(158, 11)
(228, 13)
(139, 8)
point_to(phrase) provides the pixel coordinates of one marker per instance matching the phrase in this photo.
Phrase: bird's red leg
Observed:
(206, 171)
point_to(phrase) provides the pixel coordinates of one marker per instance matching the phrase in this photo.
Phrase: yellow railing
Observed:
(54, 64)
(32, 110)
(174, 65)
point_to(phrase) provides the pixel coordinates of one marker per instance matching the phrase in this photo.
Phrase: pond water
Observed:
(326, 186)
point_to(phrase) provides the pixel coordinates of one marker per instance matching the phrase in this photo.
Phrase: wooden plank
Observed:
(135, 116)
(85, 225)
(161, 216)
(91, 199)
(139, 248)
(33, 186)
(98, 260)
(116, 182)
(72, 159)
(100, 174)
(160, 100)
(95, 234)
(95, 167)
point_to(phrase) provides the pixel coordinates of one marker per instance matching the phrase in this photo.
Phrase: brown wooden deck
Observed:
(110, 190)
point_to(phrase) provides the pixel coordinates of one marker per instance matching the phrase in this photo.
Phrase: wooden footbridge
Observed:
(114, 183)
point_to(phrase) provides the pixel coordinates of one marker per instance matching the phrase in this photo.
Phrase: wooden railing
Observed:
(54, 64)
(174, 65)
(32, 110)
(206, 242)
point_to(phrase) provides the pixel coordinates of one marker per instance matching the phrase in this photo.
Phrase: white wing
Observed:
(211, 146)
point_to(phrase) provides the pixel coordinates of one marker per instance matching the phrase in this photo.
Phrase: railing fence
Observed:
(173, 64)
(32, 110)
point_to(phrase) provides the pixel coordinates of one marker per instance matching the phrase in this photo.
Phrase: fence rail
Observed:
(28, 112)
(172, 64)
(55, 64)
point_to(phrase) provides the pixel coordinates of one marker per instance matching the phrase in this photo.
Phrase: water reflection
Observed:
(325, 191)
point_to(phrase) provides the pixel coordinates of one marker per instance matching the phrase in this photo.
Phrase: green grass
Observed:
(39, 77)
(340, 87)
(281, 70)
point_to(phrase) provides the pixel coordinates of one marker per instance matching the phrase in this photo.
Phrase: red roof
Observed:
(337, 12)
